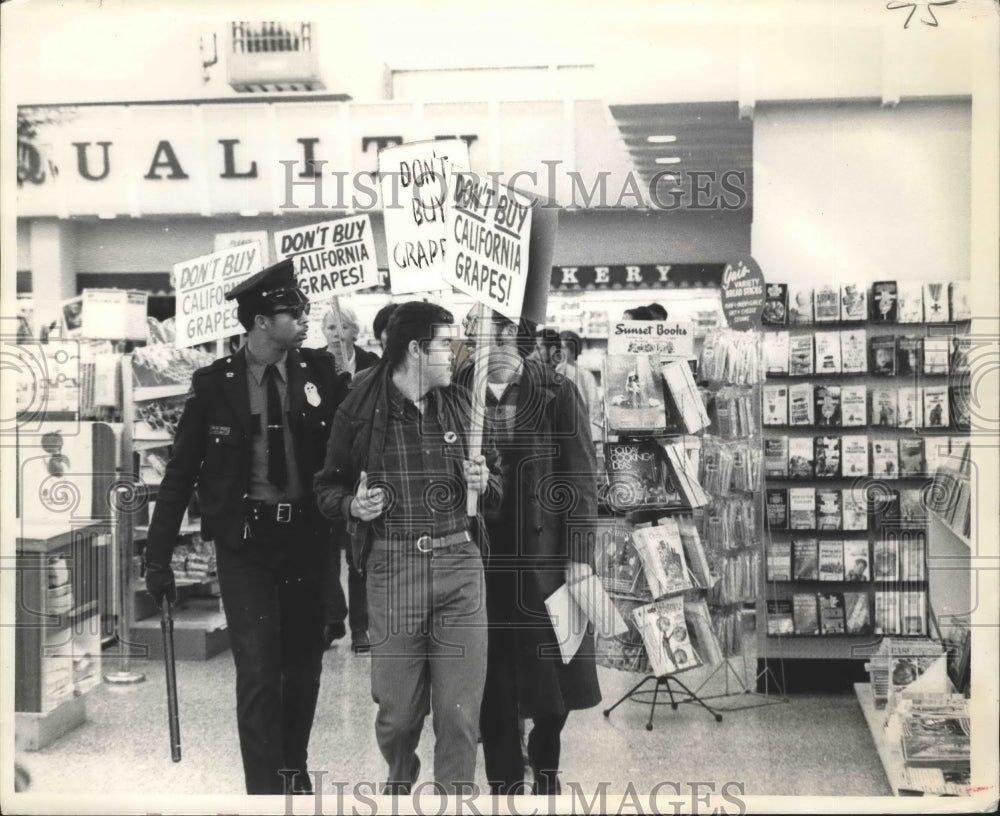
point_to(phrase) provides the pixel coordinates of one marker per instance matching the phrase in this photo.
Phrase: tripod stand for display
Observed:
(759, 699)
(665, 681)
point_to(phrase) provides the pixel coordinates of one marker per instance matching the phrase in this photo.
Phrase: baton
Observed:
(167, 625)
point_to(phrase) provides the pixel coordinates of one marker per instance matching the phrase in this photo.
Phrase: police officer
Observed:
(252, 434)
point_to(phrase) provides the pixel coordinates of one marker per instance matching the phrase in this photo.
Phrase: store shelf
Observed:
(890, 751)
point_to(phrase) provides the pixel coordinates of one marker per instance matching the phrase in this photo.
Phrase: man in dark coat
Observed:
(252, 434)
(538, 541)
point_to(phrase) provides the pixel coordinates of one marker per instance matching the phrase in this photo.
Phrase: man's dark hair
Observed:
(382, 318)
(551, 341)
(657, 311)
(414, 320)
(573, 342)
(639, 313)
(248, 310)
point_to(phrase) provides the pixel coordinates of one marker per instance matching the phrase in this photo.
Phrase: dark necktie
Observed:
(277, 467)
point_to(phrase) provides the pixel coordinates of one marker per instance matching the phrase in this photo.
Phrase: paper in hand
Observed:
(568, 620)
(597, 605)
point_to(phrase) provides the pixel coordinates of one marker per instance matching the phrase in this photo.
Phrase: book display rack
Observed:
(679, 554)
(865, 414)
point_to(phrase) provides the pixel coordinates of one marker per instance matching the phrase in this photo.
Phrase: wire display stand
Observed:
(665, 680)
(742, 691)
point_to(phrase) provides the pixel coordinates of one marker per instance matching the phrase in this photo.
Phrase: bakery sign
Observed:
(637, 276)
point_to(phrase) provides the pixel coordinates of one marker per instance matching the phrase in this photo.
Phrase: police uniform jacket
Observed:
(213, 445)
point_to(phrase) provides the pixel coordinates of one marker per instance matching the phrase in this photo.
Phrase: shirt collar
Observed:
(256, 367)
(398, 402)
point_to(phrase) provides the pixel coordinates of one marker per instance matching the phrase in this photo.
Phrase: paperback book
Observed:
(909, 302)
(912, 512)
(800, 355)
(937, 353)
(913, 612)
(935, 303)
(805, 559)
(883, 355)
(775, 404)
(885, 407)
(775, 312)
(684, 477)
(856, 561)
(827, 411)
(826, 303)
(961, 308)
(779, 561)
(961, 348)
(800, 457)
(777, 508)
(616, 560)
(886, 612)
(708, 650)
(909, 413)
(936, 406)
(885, 560)
(805, 614)
(854, 455)
(831, 613)
(633, 396)
(800, 304)
(684, 397)
(776, 346)
(638, 477)
(857, 613)
(802, 508)
(854, 351)
(827, 457)
(800, 404)
(828, 512)
(779, 617)
(665, 635)
(885, 458)
(854, 508)
(831, 560)
(853, 302)
(853, 406)
(909, 355)
(776, 457)
(694, 552)
(883, 302)
(959, 403)
(827, 351)
(911, 457)
(662, 553)
(912, 555)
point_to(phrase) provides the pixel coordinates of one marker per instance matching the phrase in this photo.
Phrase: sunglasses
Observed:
(295, 311)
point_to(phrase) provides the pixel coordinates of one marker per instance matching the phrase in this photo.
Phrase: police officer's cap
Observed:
(274, 288)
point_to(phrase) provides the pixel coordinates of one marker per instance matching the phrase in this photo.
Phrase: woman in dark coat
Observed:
(538, 538)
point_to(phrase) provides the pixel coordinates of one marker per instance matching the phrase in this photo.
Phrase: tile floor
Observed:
(809, 745)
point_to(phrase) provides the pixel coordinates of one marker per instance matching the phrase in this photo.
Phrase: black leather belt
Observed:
(279, 513)
(426, 543)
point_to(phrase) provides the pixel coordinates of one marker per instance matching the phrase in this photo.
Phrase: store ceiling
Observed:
(710, 137)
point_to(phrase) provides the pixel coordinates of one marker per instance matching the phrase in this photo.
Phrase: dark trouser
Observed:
(336, 608)
(271, 595)
(500, 727)
(428, 632)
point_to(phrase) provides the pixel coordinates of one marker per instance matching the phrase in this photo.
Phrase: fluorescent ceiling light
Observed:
(661, 139)
(668, 160)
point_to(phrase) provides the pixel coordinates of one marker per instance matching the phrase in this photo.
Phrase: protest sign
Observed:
(203, 313)
(660, 337)
(331, 258)
(225, 240)
(415, 179)
(489, 230)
